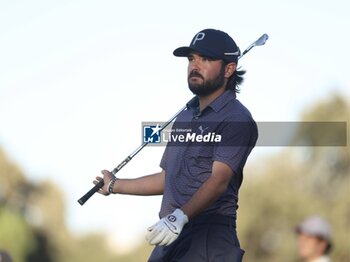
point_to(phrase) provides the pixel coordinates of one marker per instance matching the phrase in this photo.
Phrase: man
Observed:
(200, 181)
(314, 240)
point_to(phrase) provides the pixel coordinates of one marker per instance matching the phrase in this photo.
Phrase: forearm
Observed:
(210, 191)
(146, 185)
(206, 195)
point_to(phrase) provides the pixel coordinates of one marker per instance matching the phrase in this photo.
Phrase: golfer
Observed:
(199, 178)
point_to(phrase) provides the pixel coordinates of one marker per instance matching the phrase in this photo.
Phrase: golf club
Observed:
(83, 199)
(261, 41)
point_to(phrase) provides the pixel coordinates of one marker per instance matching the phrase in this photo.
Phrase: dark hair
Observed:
(235, 80)
(328, 248)
(329, 244)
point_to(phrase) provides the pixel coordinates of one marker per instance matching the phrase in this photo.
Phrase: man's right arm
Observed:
(143, 186)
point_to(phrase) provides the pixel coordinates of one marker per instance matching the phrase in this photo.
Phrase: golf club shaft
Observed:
(100, 184)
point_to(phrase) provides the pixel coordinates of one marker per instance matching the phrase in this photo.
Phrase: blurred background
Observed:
(77, 78)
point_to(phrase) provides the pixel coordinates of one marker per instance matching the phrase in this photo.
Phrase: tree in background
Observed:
(300, 181)
(16, 236)
(32, 222)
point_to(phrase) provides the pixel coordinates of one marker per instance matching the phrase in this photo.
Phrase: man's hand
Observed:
(167, 229)
(107, 178)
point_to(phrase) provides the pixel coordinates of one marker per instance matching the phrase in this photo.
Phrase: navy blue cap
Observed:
(211, 43)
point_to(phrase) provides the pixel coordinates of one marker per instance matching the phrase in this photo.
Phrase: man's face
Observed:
(205, 75)
(310, 247)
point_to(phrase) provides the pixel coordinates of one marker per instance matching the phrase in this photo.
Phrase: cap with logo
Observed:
(211, 43)
(316, 226)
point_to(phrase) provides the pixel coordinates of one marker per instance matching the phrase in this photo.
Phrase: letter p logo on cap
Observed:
(198, 37)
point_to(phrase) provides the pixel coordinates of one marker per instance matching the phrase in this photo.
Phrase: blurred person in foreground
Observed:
(200, 180)
(5, 257)
(314, 239)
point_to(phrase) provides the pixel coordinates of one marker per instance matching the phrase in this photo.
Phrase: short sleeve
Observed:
(164, 160)
(238, 138)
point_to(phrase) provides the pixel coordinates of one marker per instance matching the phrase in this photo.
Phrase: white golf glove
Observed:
(167, 229)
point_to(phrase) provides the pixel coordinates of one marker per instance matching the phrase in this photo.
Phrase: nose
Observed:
(193, 65)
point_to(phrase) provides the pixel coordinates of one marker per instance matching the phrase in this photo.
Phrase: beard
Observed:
(208, 86)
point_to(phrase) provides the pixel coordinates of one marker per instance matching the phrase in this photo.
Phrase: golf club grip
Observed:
(89, 194)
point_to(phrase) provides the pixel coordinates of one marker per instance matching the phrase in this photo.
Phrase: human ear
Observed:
(230, 69)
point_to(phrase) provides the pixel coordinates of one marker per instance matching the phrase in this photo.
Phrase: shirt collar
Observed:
(322, 259)
(216, 105)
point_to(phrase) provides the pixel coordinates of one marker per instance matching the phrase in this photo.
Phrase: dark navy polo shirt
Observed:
(189, 164)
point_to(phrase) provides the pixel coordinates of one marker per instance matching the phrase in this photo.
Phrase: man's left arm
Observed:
(210, 191)
(168, 228)
(238, 138)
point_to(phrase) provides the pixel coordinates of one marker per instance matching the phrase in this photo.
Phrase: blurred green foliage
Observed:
(278, 193)
(281, 191)
(15, 235)
(32, 223)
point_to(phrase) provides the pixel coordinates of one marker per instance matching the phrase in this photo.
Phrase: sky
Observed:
(77, 78)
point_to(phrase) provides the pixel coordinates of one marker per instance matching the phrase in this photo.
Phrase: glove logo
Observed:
(172, 218)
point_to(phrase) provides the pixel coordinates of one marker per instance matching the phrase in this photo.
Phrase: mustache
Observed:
(194, 73)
